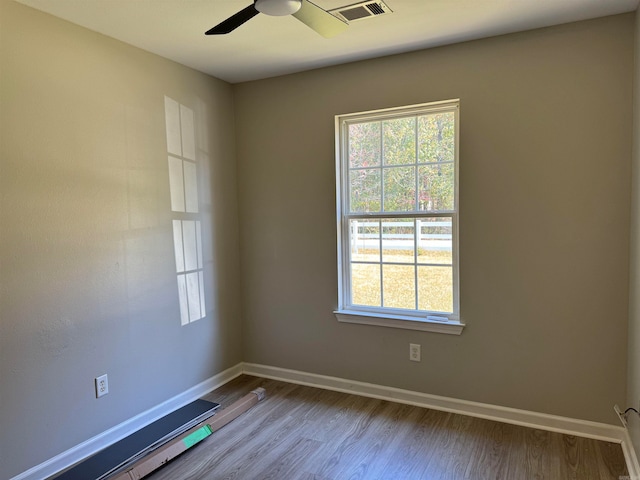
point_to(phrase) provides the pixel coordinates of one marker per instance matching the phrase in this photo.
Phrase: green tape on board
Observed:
(197, 436)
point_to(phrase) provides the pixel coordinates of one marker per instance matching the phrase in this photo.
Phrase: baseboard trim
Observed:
(630, 456)
(554, 423)
(103, 440)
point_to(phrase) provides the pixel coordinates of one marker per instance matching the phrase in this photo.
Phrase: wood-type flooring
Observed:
(305, 433)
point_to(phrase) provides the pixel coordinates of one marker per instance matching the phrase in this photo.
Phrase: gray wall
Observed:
(633, 366)
(88, 281)
(545, 148)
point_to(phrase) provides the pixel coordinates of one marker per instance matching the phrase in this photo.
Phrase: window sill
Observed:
(399, 321)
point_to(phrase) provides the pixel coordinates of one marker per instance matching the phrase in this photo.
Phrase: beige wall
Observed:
(633, 365)
(544, 219)
(87, 281)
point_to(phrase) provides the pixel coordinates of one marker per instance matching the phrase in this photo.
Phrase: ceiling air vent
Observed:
(362, 10)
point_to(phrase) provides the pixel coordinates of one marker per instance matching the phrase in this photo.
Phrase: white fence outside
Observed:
(400, 241)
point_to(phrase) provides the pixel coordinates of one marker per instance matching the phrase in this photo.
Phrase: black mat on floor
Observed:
(132, 447)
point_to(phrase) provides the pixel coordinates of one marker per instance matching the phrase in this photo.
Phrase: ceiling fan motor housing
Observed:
(278, 8)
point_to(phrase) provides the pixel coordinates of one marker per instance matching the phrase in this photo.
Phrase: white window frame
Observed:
(440, 322)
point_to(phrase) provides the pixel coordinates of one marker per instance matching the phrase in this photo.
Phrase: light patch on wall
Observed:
(187, 227)
(187, 240)
(172, 117)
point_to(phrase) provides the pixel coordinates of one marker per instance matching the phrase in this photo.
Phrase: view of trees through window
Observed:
(401, 202)
(405, 164)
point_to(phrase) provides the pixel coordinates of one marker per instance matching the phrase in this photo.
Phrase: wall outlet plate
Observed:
(102, 385)
(414, 352)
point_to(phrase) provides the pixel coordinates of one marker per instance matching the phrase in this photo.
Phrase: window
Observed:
(397, 172)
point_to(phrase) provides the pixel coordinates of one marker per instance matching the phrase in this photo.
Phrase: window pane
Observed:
(435, 288)
(436, 187)
(364, 145)
(436, 137)
(399, 189)
(365, 285)
(435, 244)
(399, 141)
(364, 189)
(398, 240)
(365, 240)
(398, 282)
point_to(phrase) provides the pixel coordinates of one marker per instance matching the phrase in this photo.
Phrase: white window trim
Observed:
(437, 322)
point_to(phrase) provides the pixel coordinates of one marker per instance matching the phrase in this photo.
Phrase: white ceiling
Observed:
(270, 46)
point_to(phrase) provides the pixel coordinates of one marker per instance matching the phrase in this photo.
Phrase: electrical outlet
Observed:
(102, 385)
(414, 352)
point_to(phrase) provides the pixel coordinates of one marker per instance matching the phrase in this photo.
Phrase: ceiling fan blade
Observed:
(320, 20)
(234, 21)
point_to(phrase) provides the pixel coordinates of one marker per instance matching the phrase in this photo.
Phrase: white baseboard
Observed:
(553, 423)
(103, 440)
(630, 456)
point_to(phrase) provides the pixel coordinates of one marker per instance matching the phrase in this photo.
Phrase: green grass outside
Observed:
(434, 282)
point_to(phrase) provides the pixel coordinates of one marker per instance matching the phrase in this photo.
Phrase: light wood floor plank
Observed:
(415, 448)
(305, 433)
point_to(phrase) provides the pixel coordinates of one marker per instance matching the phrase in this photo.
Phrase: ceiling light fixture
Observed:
(278, 8)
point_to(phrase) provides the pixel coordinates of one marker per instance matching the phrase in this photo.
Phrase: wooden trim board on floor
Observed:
(154, 460)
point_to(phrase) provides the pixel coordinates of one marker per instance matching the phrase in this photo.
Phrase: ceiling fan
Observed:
(308, 13)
